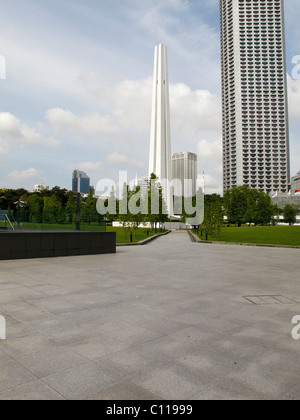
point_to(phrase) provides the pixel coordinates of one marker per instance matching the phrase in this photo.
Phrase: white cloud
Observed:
(90, 166)
(26, 178)
(12, 131)
(4, 147)
(209, 150)
(131, 102)
(193, 112)
(121, 159)
(294, 99)
(218, 170)
(211, 184)
(35, 63)
(91, 125)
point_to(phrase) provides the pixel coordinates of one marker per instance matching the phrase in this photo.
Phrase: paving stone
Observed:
(99, 345)
(82, 382)
(22, 346)
(13, 374)
(164, 320)
(50, 362)
(31, 391)
(124, 392)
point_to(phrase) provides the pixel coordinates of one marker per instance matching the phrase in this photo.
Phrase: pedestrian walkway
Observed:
(169, 320)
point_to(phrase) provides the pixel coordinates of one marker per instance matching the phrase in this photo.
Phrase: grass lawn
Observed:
(274, 235)
(141, 233)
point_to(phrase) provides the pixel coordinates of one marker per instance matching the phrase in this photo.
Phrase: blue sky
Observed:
(78, 87)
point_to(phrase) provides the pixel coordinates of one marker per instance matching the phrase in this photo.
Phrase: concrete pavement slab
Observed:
(35, 390)
(171, 319)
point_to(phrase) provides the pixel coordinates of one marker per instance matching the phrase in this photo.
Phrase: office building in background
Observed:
(184, 168)
(80, 182)
(41, 187)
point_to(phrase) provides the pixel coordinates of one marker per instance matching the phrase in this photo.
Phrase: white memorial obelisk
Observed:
(160, 161)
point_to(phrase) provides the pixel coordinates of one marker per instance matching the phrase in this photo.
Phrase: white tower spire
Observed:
(160, 142)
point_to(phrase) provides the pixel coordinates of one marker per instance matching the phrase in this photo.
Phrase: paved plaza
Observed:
(169, 320)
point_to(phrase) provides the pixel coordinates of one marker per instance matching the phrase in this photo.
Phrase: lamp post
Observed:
(19, 205)
(78, 201)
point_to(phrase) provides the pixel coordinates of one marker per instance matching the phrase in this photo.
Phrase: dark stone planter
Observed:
(23, 245)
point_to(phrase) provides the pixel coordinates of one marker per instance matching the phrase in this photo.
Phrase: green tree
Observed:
(53, 211)
(157, 207)
(235, 203)
(89, 210)
(71, 209)
(246, 205)
(112, 205)
(136, 208)
(251, 214)
(265, 209)
(217, 216)
(22, 209)
(47, 210)
(290, 214)
(35, 209)
(213, 215)
(123, 210)
(61, 194)
(3, 200)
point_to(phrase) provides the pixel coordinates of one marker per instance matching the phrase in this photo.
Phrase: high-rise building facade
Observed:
(80, 182)
(184, 168)
(160, 162)
(254, 95)
(295, 184)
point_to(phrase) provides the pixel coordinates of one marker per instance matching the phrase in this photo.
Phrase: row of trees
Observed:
(58, 206)
(240, 205)
(243, 205)
(134, 209)
(54, 206)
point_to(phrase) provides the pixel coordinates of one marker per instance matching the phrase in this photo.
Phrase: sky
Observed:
(76, 87)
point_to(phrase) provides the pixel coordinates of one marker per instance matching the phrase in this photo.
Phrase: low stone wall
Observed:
(21, 245)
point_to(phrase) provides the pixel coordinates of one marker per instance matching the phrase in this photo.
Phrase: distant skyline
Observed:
(78, 87)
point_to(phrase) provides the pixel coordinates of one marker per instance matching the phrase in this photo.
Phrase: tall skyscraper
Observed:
(254, 87)
(160, 142)
(184, 167)
(295, 184)
(80, 182)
